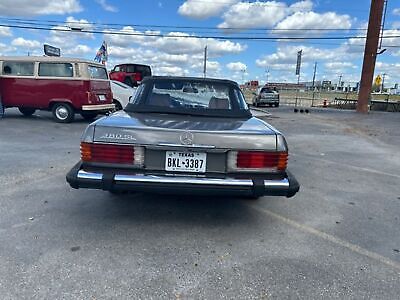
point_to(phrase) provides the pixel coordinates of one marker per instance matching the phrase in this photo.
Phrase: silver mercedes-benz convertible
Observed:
(185, 135)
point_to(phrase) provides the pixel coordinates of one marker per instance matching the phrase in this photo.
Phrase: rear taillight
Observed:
(112, 153)
(257, 161)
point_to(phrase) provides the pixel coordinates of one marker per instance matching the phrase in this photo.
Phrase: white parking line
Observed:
(347, 165)
(330, 238)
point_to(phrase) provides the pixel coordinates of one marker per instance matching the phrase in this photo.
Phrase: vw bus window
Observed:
(18, 68)
(56, 70)
(97, 72)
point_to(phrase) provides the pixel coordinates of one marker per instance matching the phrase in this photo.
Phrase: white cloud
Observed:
(339, 66)
(170, 70)
(106, 6)
(70, 40)
(39, 7)
(302, 6)
(312, 20)
(5, 31)
(396, 11)
(5, 49)
(254, 14)
(236, 66)
(260, 13)
(81, 24)
(284, 59)
(203, 9)
(24, 43)
(174, 43)
(78, 51)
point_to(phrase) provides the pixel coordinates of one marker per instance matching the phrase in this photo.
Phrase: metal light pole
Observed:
(383, 82)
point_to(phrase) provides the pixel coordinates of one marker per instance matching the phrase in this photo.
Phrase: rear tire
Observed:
(89, 116)
(128, 81)
(1, 109)
(63, 113)
(277, 105)
(26, 111)
(118, 105)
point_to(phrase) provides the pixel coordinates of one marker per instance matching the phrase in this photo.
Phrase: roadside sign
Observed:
(298, 63)
(378, 80)
(51, 51)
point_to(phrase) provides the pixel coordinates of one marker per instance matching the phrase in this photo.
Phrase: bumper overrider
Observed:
(111, 180)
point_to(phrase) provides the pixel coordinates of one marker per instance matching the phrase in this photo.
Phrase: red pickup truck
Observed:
(130, 74)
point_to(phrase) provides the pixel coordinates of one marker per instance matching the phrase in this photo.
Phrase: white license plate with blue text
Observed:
(185, 161)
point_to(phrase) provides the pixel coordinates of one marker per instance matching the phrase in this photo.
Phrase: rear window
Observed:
(18, 68)
(56, 70)
(97, 72)
(130, 69)
(266, 90)
(190, 97)
(143, 70)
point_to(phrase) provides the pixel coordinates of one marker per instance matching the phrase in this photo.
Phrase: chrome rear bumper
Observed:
(79, 178)
(98, 107)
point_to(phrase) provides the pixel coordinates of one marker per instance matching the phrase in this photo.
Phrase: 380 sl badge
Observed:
(118, 136)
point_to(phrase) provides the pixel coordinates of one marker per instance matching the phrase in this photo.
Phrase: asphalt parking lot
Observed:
(337, 238)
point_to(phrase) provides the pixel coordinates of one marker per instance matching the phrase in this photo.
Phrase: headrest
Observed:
(218, 103)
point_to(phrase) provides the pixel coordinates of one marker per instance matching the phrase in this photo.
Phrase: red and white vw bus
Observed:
(64, 86)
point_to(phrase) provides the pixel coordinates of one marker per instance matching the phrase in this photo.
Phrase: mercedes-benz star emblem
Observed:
(186, 138)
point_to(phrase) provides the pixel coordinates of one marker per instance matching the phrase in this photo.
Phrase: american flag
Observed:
(102, 54)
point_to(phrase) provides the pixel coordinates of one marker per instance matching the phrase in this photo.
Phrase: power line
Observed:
(220, 37)
(66, 23)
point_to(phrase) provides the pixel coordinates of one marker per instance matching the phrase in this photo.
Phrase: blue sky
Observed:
(178, 55)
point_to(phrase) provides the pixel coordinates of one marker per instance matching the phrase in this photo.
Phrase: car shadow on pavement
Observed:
(208, 211)
(43, 116)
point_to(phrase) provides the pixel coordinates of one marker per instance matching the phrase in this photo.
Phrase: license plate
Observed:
(185, 161)
(102, 97)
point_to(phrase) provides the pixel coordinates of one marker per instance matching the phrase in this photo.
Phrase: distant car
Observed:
(185, 135)
(130, 74)
(121, 94)
(266, 96)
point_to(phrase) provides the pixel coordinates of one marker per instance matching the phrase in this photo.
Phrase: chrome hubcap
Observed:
(62, 113)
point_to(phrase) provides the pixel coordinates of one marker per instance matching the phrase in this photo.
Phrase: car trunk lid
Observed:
(169, 131)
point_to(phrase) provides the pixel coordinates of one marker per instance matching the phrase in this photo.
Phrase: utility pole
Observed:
(205, 62)
(340, 81)
(370, 52)
(313, 85)
(243, 72)
(383, 82)
(313, 78)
